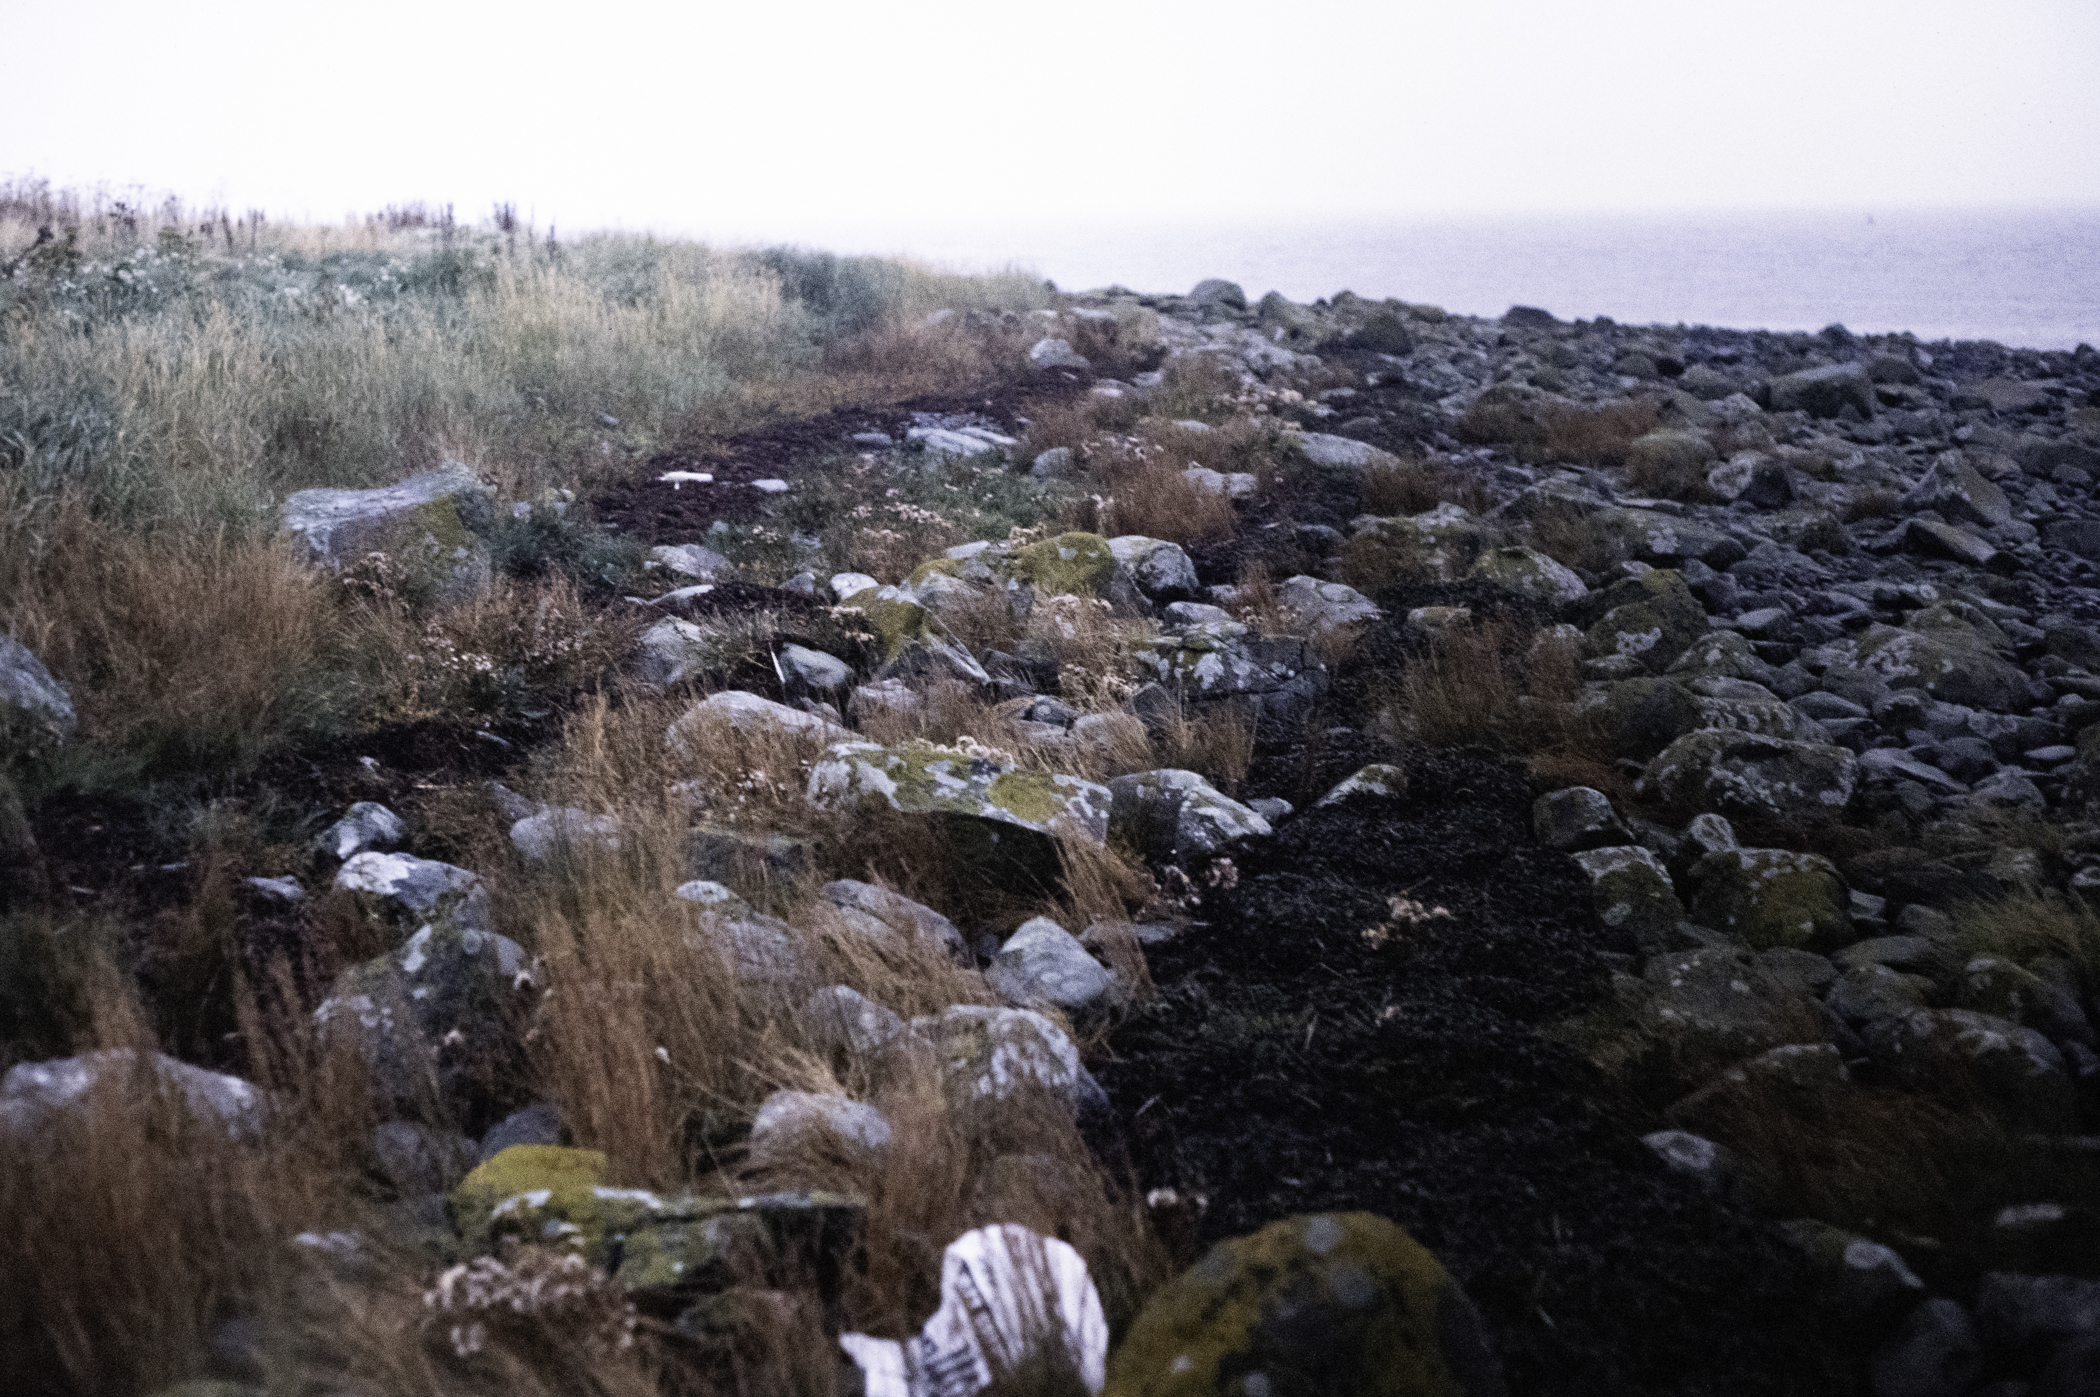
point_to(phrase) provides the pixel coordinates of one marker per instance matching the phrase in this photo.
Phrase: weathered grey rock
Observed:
(2033, 1314)
(814, 670)
(1806, 1081)
(1711, 834)
(944, 441)
(432, 1017)
(1824, 392)
(694, 560)
(1378, 779)
(1673, 541)
(433, 522)
(1714, 1166)
(750, 714)
(1960, 493)
(1043, 964)
(1653, 618)
(411, 889)
(32, 1091)
(1996, 986)
(914, 643)
(1633, 894)
(1325, 449)
(1953, 664)
(1161, 570)
(671, 652)
(28, 691)
(365, 825)
(417, 1158)
(1058, 463)
(1933, 1353)
(720, 852)
(1322, 607)
(1858, 1280)
(1048, 353)
(1178, 817)
(1216, 291)
(1530, 573)
(1940, 540)
(886, 917)
(1223, 664)
(1772, 897)
(1754, 478)
(987, 1054)
(1695, 1013)
(791, 1126)
(536, 1124)
(1576, 819)
(841, 1019)
(563, 831)
(1750, 775)
(2014, 1071)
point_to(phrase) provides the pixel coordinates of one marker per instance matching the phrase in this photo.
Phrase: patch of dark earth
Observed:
(1289, 1066)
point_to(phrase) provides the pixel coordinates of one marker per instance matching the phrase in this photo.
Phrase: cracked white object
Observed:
(1002, 1288)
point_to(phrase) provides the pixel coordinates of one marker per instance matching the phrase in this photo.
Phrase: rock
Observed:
(996, 814)
(1824, 392)
(1264, 680)
(1858, 1280)
(431, 525)
(1377, 780)
(403, 888)
(1693, 1014)
(1957, 491)
(1174, 816)
(1805, 1082)
(1772, 897)
(792, 1126)
(1047, 354)
(1341, 453)
(1042, 964)
(988, 1054)
(942, 441)
(885, 917)
(1322, 607)
(1161, 570)
(1953, 664)
(1669, 455)
(1937, 540)
(815, 671)
(1633, 894)
(1713, 1166)
(32, 1091)
(1751, 775)
(433, 1015)
(537, 1124)
(718, 853)
(1331, 1303)
(754, 716)
(1576, 819)
(366, 825)
(2014, 1071)
(914, 643)
(1653, 618)
(695, 560)
(2033, 1314)
(841, 1019)
(671, 652)
(415, 1158)
(563, 832)
(1933, 1353)
(1639, 717)
(1238, 485)
(1674, 541)
(887, 698)
(1058, 463)
(1754, 478)
(1271, 808)
(1216, 291)
(1529, 573)
(1995, 986)
(30, 694)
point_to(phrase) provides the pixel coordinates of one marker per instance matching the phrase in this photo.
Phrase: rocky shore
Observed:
(1521, 855)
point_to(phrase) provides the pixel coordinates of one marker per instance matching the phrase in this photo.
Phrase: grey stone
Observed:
(1043, 964)
(1161, 570)
(537, 1124)
(695, 560)
(1771, 897)
(748, 713)
(884, 916)
(31, 1091)
(987, 1054)
(431, 1016)
(1322, 607)
(839, 1018)
(1697, 1012)
(1058, 463)
(417, 1158)
(1577, 818)
(2033, 1314)
(1958, 492)
(1711, 834)
(1939, 540)
(1866, 995)
(1264, 680)
(791, 1125)
(1530, 573)
(1752, 775)
(814, 670)
(435, 520)
(410, 889)
(1378, 780)
(1633, 893)
(1341, 453)
(563, 831)
(1216, 291)
(671, 652)
(1047, 353)
(1824, 392)
(1177, 816)
(2015, 1071)
(28, 688)
(366, 825)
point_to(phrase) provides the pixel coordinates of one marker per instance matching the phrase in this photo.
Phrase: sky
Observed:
(848, 124)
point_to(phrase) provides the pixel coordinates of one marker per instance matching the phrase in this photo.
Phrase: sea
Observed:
(2024, 278)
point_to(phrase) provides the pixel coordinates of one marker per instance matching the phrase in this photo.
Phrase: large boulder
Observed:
(1741, 773)
(432, 525)
(887, 918)
(2014, 1071)
(28, 693)
(1320, 607)
(1693, 1013)
(986, 1054)
(1824, 392)
(1076, 564)
(912, 640)
(1220, 664)
(32, 1092)
(1335, 1304)
(997, 815)
(1216, 291)
(1161, 570)
(1633, 893)
(432, 1019)
(1772, 897)
(1176, 816)
(366, 825)
(1653, 618)
(1958, 491)
(404, 889)
(752, 716)
(1529, 573)
(1952, 663)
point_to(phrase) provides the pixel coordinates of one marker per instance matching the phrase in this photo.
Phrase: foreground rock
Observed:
(28, 692)
(431, 525)
(32, 1092)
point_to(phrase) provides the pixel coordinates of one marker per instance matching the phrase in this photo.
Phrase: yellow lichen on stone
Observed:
(1078, 563)
(527, 1187)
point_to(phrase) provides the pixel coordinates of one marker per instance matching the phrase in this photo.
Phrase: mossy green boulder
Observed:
(1326, 1305)
(911, 639)
(1772, 897)
(1654, 618)
(1529, 573)
(542, 1193)
(1076, 563)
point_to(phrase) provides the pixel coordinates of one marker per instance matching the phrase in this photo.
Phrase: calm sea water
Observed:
(2028, 279)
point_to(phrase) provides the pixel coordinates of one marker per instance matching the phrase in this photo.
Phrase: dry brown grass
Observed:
(1217, 746)
(1490, 682)
(1582, 539)
(1539, 428)
(1151, 496)
(1416, 485)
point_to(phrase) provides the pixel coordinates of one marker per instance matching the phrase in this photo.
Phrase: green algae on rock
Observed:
(1326, 1305)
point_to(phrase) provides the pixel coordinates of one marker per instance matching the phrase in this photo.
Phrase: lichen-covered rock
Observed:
(1693, 1013)
(434, 1016)
(1161, 570)
(1959, 491)
(988, 1054)
(2013, 1071)
(1340, 453)
(1720, 655)
(1669, 541)
(1530, 573)
(1576, 819)
(671, 652)
(1042, 964)
(839, 1018)
(1824, 392)
(886, 918)
(1996, 986)
(1078, 564)
(1320, 607)
(752, 715)
(1333, 1304)
(402, 888)
(1641, 716)
(1772, 897)
(1378, 779)
(695, 560)
(31, 1091)
(793, 1125)
(365, 825)
(430, 524)
(1953, 664)
(1633, 893)
(29, 694)
(1653, 618)
(913, 642)
(1746, 774)
(1440, 544)
(1178, 817)
(1213, 664)
(563, 831)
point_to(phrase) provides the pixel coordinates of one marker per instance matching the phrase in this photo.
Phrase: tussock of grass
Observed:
(1417, 485)
(1491, 682)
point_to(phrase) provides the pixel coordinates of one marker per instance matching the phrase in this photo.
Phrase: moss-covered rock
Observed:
(1264, 680)
(430, 525)
(1653, 618)
(1076, 563)
(1772, 897)
(911, 639)
(1741, 773)
(1633, 893)
(1529, 573)
(1327, 1305)
(1640, 717)
(1952, 663)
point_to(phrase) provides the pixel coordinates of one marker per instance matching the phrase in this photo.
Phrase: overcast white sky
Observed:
(825, 121)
